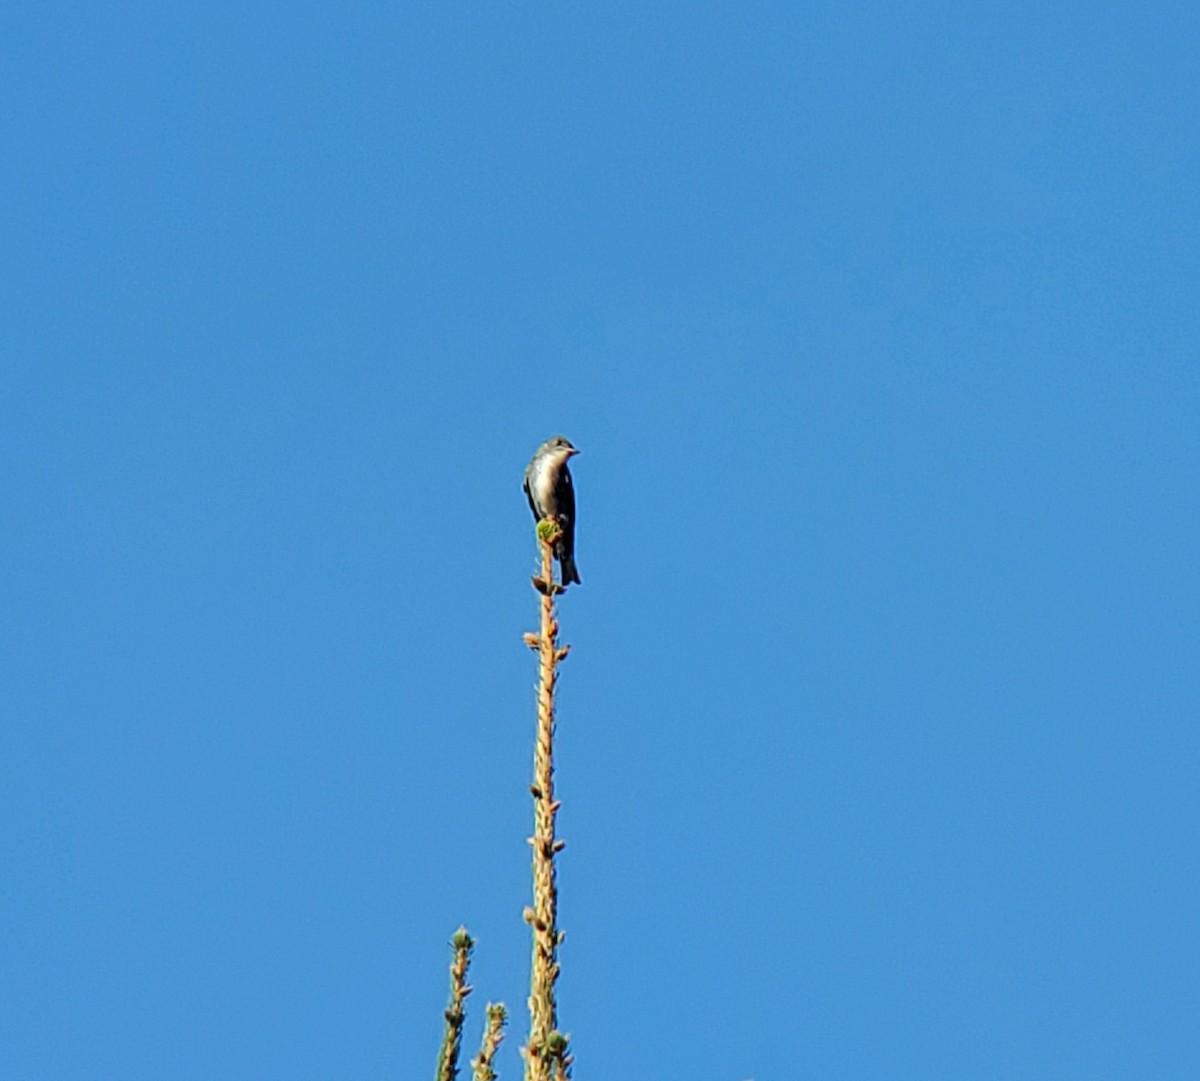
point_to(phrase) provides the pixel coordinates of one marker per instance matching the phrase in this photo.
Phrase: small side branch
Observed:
(456, 1011)
(493, 1033)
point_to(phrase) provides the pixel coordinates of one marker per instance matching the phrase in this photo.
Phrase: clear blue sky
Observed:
(878, 327)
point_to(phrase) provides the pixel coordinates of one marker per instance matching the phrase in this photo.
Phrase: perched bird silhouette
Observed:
(551, 494)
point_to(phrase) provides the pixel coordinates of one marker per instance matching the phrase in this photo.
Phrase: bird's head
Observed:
(560, 446)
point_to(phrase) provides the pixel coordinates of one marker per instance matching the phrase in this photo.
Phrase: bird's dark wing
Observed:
(529, 496)
(566, 496)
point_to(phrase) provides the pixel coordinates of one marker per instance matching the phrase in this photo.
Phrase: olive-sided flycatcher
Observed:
(552, 495)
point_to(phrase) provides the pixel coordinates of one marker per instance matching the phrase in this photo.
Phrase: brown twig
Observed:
(546, 1047)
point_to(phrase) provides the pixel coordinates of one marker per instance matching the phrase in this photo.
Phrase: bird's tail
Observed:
(570, 573)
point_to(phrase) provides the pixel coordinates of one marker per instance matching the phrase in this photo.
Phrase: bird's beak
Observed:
(572, 451)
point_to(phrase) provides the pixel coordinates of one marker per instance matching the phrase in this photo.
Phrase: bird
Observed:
(551, 494)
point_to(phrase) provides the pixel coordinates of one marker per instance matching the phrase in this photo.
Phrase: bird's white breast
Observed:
(543, 484)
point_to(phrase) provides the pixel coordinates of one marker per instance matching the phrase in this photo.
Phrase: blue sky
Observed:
(878, 330)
